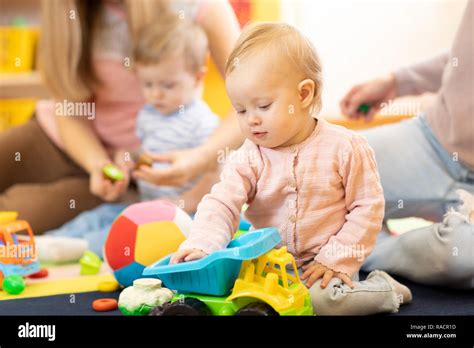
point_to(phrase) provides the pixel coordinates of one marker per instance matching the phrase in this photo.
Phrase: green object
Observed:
(239, 233)
(364, 108)
(141, 298)
(113, 172)
(19, 21)
(90, 263)
(14, 284)
(219, 305)
(141, 310)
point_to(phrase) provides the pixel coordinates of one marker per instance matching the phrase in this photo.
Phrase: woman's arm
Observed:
(419, 78)
(81, 143)
(218, 214)
(223, 30)
(187, 164)
(84, 147)
(189, 200)
(422, 77)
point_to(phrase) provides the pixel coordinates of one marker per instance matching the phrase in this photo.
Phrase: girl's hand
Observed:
(104, 188)
(185, 165)
(187, 255)
(373, 93)
(315, 270)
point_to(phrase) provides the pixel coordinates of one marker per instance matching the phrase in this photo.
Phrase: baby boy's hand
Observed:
(315, 270)
(187, 255)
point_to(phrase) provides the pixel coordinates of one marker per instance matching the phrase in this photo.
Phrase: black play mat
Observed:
(426, 301)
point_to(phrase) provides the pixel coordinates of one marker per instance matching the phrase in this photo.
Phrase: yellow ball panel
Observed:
(156, 240)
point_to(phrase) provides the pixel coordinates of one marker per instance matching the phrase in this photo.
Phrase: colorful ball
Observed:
(142, 234)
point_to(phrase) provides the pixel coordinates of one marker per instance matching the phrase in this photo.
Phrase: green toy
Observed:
(221, 306)
(364, 108)
(113, 172)
(90, 263)
(14, 284)
(143, 296)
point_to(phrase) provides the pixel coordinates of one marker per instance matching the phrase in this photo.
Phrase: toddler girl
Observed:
(316, 182)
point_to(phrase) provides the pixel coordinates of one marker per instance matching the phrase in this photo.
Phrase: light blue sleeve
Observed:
(206, 124)
(141, 124)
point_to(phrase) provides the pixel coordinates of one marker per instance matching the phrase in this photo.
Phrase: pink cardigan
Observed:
(324, 196)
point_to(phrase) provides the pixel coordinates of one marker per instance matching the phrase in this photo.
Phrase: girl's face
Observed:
(268, 102)
(168, 85)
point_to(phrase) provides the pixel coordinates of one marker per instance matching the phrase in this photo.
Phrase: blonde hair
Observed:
(285, 43)
(67, 26)
(172, 35)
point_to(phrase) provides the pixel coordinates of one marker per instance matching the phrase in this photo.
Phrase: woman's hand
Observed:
(372, 93)
(187, 255)
(104, 188)
(315, 270)
(185, 165)
(125, 161)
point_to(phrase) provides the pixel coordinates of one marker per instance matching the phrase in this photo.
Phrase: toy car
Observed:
(143, 296)
(246, 278)
(17, 250)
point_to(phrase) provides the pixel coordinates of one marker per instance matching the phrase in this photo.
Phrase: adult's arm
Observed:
(223, 30)
(413, 80)
(84, 147)
(425, 76)
(81, 143)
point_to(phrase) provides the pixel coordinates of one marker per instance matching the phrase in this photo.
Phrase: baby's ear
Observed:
(306, 92)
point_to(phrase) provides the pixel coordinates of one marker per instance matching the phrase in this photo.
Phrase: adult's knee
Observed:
(455, 253)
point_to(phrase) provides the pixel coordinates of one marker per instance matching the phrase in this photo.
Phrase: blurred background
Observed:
(356, 39)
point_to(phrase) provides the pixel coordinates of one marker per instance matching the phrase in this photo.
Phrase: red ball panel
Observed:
(120, 244)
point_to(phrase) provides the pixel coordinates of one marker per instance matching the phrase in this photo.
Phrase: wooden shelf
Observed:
(22, 85)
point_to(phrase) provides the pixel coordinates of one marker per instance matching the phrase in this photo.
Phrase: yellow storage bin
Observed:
(14, 112)
(17, 48)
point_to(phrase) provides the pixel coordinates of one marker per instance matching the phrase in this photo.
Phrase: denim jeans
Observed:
(419, 178)
(92, 225)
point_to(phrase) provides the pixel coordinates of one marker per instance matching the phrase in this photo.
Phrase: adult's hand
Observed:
(372, 93)
(104, 188)
(185, 165)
